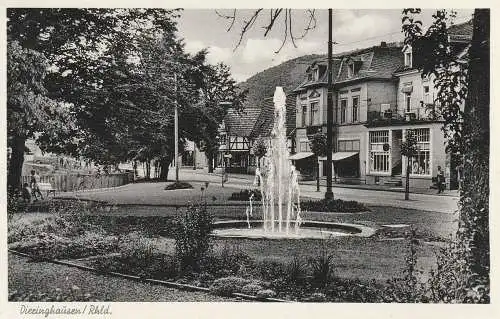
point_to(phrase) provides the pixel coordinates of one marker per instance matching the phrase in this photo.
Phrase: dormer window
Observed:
(351, 69)
(408, 54)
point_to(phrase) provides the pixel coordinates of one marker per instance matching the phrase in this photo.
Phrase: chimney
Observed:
(383, 44)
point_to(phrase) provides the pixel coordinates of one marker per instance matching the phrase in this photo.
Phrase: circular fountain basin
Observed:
(308, 230)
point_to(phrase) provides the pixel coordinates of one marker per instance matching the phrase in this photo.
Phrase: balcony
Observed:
(384, 116)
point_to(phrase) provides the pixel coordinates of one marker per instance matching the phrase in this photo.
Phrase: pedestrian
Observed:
(35, 188)
(440, 180)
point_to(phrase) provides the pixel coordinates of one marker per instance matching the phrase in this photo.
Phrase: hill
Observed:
(288, 74)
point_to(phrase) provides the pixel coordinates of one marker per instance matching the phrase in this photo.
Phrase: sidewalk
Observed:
(387, 188)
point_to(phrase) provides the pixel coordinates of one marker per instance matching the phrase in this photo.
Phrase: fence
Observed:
(74, 182)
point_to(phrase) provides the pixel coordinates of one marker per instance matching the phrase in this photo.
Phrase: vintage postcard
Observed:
(170, 160)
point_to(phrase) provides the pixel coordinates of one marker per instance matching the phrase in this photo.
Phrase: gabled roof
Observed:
(461, 31)
(241, 123)
(374, 62)
(264, 123)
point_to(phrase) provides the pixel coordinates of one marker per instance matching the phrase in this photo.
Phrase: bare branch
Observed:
(232, 18)
(311, 24)
(247, 26)
(272, 20)
(290, 27)
(286, 33)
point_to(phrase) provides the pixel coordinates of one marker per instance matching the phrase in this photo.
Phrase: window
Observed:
(314, 120)
(304, 146)
(355, 108)
(351, 69)
(343, 110)
(309, 76)
(348, 146)
(304, 114)
(408, 101)
(427, 99)
(420, 163)
(408, 59)
(379, 158)
(222, 139)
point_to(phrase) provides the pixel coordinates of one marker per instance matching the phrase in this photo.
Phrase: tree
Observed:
(319, 148)
(29, 110)
(408, 149)
(259, 149)
(72, 53)
(462, 83)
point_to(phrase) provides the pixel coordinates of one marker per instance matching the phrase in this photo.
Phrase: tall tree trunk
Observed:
(317, 174)
(148, 170)
(16, 163)
(474, 196)
(164, 164)
(407, 188)
(210, 157)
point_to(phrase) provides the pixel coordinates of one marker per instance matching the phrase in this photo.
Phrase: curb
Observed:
(342, 186)
(169, 284)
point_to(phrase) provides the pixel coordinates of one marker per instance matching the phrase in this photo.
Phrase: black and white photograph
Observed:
(270, 155)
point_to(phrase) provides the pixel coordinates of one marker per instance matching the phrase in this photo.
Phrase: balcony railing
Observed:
(395, 115)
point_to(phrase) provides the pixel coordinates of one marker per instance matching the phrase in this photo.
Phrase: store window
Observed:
(379, 152)
(348, 146)
(420, 163)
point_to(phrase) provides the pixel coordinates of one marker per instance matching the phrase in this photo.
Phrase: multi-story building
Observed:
(378, 96)
(363, 83)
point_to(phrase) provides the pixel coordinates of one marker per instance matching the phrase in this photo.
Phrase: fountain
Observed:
(280, 192)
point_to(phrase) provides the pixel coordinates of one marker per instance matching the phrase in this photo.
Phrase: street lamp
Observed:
(329, 111)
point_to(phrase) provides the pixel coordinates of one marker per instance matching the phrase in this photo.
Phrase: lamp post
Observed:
(176, 132)
(329, 111)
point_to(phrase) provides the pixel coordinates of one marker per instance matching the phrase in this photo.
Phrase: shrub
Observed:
(321, 269)
(333, 205)
(226, 261)
(52, 246)
(178, 185)
(244, 195)
(270, 269)
(228, 285)
(73, 294)
(193, 237)
(296, 271)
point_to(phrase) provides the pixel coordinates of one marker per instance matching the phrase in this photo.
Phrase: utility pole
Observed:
(329, 111)
(176, 133)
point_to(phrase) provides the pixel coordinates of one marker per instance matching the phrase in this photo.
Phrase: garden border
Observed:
(169, 284)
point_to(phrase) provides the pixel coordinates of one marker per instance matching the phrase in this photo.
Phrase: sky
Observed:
(352, 29)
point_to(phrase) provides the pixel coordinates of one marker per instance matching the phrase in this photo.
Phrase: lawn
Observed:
(133, 238)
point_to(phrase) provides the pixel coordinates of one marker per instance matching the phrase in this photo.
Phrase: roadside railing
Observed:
(76, 182)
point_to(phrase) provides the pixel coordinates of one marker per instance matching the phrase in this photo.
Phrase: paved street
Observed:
(153, 194)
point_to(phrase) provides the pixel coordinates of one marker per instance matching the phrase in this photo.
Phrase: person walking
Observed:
(35, 181)
(440, 180)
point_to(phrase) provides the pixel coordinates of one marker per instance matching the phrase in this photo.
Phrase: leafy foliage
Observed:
(259, 148)
(245, 195)
(333, 205)
(192, 237)
(318, 144)
(460, 83)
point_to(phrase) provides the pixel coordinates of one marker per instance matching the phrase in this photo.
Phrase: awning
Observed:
(301, 155)
(339, 156)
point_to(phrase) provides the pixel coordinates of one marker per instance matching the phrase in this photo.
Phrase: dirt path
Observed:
(27, 276)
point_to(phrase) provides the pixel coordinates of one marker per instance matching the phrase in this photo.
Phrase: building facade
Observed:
(379, 95)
